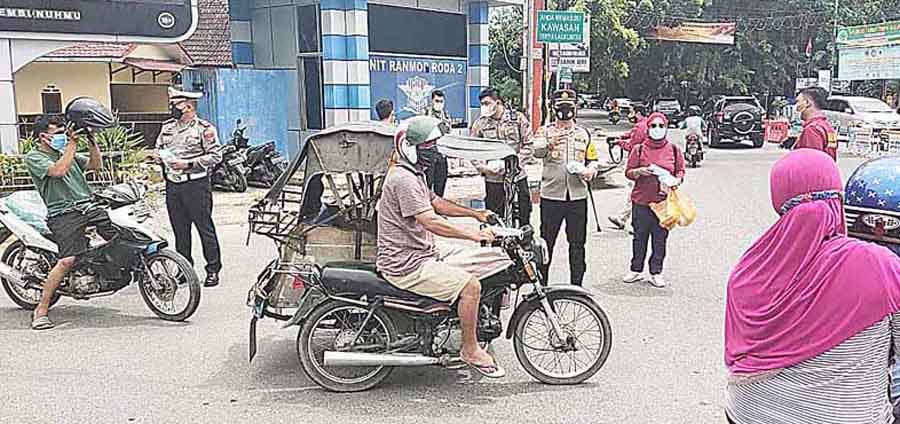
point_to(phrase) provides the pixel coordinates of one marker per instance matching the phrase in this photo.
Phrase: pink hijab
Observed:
(804, 287)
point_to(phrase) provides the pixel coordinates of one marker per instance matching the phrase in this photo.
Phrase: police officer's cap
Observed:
(564, 96)
(177, 96)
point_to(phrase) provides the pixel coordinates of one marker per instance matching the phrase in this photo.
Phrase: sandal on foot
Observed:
(42, 323)
(489, 371)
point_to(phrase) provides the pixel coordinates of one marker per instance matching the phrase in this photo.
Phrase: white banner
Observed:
(575, 56)
(871, 63)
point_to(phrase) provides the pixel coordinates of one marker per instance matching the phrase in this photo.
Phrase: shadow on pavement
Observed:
(76, 317)
(615, 287)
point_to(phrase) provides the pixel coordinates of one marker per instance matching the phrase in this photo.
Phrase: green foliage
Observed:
(768, 55)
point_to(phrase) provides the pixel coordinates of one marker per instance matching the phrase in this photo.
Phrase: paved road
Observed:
(112, 361)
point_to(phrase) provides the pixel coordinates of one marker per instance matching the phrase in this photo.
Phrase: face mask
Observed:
(58, 141)
(426, 157)
(565, 113)
(175, 112)
(657, 133)
(488, 110)
(438, 107)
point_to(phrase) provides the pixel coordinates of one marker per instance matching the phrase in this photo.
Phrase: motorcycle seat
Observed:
(363, 278)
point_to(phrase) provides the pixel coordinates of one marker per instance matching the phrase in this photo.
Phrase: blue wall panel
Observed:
(258, 97)
(242, 53)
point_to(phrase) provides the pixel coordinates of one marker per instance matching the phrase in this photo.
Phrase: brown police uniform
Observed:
(514, 129)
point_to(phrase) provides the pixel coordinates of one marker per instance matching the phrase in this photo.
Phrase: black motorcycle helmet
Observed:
(85, 113)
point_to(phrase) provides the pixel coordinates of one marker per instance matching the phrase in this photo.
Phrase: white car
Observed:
(846, 112)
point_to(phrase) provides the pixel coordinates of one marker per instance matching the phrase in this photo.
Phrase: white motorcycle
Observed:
(167, 281)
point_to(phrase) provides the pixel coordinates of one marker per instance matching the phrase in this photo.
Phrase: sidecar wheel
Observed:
(332, 326)
(176, 283)
(586, 328)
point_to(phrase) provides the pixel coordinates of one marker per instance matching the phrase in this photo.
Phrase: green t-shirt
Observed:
(60, 194)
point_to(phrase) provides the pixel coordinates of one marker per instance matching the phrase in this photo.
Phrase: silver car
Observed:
(846, 112)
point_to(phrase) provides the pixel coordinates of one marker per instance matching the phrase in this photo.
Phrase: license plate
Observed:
(278, 159)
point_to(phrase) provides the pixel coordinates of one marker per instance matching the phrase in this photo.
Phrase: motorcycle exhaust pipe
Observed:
(359, 359)
(12, 275)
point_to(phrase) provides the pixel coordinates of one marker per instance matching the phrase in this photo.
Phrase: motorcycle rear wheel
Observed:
(179, 273)
(25, 298)
(535, 364)
(346, 322)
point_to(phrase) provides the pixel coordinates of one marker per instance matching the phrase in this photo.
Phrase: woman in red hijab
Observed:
(811, 315)
(655, 150)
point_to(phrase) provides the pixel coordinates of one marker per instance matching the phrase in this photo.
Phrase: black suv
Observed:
(734, 119)
(669, 107)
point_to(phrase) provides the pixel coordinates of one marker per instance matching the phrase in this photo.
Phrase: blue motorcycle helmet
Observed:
(872, 203)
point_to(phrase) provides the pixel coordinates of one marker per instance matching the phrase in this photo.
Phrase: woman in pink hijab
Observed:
(811, 316)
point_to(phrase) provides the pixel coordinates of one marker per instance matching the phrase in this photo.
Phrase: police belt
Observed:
(183, 178)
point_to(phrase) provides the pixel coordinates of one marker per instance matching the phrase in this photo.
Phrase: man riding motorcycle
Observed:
(693, 125)
(409, 216)
(58, 175)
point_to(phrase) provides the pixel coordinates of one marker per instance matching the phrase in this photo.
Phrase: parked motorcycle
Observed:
(693, 152)
(358, 327)
(230, 174)
(264, 164)
(167, 281)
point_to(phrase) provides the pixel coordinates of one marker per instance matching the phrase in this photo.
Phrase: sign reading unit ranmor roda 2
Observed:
(560, 27)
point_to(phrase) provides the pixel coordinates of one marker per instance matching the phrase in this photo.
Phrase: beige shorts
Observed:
(434, 279)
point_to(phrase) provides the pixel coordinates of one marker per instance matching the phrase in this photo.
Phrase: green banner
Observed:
(874, 35)
(560, 27)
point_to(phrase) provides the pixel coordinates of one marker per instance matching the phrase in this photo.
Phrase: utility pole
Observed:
(834, 56)
(528, 46)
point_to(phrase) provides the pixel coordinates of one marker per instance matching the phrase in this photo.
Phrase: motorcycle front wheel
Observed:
(238, 181)
(585, 348)
(333, 326)
(172, 290)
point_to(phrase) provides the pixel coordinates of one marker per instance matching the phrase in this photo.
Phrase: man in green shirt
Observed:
(58, 175)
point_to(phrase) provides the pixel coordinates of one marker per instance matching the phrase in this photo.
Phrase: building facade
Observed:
(304, 65)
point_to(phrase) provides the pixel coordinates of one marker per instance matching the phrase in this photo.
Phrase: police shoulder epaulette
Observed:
(204, 124)
(169, 121)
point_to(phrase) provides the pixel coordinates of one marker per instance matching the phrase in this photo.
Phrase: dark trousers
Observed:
(574, 214)
(436, 175)
(647, 229)
(189, 204)
(495, 200)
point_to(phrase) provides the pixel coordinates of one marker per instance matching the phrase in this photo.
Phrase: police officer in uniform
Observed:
(570, 163)
(497, 122)
(436, 176)
(188, 147)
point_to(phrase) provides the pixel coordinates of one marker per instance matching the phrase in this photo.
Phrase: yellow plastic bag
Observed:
(667, 212)
(677, 209)
(687, 211)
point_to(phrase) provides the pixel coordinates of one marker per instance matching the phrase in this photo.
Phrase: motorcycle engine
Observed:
(489, 326)
(83, 284)
(448, 339)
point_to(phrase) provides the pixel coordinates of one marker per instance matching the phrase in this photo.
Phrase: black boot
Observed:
(212, 279)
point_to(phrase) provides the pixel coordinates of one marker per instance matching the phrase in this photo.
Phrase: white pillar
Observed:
(9, 131)
(15, 54)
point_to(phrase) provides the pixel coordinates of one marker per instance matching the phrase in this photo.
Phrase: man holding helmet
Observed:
(190, 147)
(409, 216)
(570, 161)
(58, 175)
